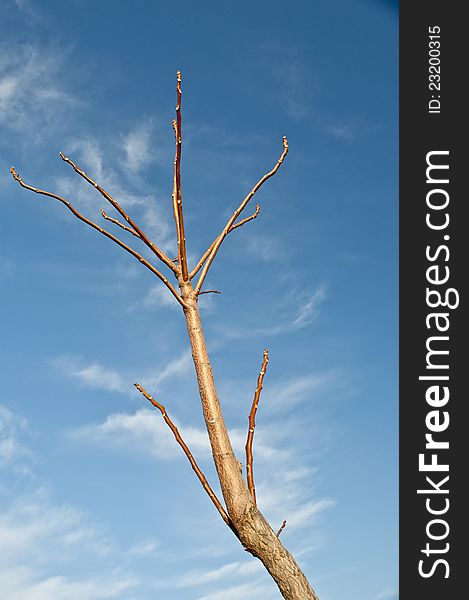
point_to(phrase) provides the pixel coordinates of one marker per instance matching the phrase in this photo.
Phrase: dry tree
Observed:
(240, 511)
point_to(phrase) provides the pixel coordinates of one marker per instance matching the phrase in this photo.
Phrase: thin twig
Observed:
(177, 195)
(252, 426)
(187, 452)
(282, 527)
(153, 247)
(209, 292)
(117, 222)
(204, 257)
(104, 232)
(247, 219)
(236, 214)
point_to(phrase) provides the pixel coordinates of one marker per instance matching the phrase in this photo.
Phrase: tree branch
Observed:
(209, 292)
(153, 247)
(177, 195)
(236, 214)
(187, 452)
(247, 219)
(282, 527)
(103, 231)
(252, 425)
(129, 229)
(195, 270)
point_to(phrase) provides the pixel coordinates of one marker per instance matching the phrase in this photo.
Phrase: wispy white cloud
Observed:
(106, 170)
(33, 96)
(146, 548)
(34, 523)
(202, 577)
(41, 540)
(241, 592)
(264, 247)
(290, 393)
(25, 583)
(305, 312)
(345, 132)
(181, 365)
(13, 453)
(137, 146)
(294, 89)
(387, 595)
(94, 375)
(145, 431)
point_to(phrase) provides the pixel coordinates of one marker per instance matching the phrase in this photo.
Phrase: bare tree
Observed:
(240, 511)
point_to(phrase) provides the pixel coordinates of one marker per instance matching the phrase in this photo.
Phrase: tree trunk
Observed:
(252, 529)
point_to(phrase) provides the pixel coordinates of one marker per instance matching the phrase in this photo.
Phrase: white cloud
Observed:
(42, 540)
(266, 248)
(307, 310)
(241, 592)
(202, 577)
(292, 392)
(26, 584)
(306, 513)
(148, 548)
(32, 93)
(12, 451)
(106, 170)
(137, 146)
(342, 132)
(387, 595)
(34, 523)
(145, 431)
(94, 375)
(159, 296)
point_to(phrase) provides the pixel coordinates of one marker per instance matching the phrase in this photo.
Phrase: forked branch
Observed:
(252, 426)
(177, 195)
(187, 452)
(217, 243)
(117, 222)
(205, 255)
(101, 230)
(153, 247)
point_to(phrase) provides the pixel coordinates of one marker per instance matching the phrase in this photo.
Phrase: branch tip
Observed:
(209, 292)
(282, 527)
(187, 452)
(252, 426)
(231, 224)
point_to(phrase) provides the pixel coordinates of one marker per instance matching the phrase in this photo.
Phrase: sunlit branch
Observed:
(177, 194)
(236, 214)
(103, 231)
(204, 257)
(247, 219)
(282, 527)
(252, 426)
(187, 452)
(117, 222)
(153, 247)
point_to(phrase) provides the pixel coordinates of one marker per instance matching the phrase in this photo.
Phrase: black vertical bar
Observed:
(433, 260)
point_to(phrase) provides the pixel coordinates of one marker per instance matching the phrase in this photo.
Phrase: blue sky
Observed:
(96, 500)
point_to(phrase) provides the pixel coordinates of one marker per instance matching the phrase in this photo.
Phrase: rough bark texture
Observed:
(252, 529)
